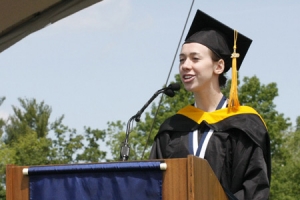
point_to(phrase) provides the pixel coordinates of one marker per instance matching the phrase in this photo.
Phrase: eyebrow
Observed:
(192, 53)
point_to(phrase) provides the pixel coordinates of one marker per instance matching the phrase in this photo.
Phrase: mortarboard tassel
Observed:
(233, 97)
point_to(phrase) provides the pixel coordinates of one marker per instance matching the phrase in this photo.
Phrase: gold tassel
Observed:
(234, 103)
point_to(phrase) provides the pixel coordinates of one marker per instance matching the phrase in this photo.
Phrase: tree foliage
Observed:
(92, 152)
(5, 156)
(260, 97)
(30, 138)
(251, 93)
(286, 173)
(138, 139)
(2, 123)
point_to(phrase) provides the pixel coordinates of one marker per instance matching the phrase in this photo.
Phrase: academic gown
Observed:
(238, 150)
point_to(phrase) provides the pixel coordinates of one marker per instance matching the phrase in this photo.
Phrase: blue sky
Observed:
(103, 63)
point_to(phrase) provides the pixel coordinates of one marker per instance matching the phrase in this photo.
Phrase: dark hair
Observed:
(222, 77)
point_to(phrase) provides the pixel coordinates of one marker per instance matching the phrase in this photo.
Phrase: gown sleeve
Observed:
(249, 171)
(156, 151)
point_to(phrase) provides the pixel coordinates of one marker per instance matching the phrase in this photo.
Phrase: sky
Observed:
(103, 63)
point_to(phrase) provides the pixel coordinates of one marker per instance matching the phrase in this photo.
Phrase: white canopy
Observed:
(21, 18)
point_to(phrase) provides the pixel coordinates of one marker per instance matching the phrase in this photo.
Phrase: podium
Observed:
(188, 178)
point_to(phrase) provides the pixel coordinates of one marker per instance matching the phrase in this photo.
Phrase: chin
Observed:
(189, 88)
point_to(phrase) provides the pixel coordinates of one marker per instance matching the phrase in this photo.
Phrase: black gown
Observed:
(238, 150)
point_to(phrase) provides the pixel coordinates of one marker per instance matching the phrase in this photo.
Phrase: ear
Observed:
(219, 66)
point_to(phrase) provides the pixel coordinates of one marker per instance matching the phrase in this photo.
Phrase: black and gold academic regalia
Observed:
(238, 150)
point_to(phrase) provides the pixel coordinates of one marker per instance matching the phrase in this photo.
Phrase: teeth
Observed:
(187, 76)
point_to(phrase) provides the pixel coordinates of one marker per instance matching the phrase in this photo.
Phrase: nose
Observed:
(186, 65)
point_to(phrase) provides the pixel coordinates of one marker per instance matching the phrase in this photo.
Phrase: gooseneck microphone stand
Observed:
(125, 148)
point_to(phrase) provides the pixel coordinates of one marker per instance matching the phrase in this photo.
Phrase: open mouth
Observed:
(187, 78)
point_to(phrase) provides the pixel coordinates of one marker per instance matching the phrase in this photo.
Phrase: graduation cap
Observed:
(225, 42)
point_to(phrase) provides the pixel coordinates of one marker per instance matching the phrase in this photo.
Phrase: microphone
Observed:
(169, 91)
(174, 86)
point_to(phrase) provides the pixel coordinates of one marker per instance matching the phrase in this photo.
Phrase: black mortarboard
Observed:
(225, 42)
(218, 37)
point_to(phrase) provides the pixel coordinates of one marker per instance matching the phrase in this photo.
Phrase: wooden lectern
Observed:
(188, 178)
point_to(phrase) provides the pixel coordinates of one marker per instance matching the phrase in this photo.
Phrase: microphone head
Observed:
(174, 86)
(169, 92)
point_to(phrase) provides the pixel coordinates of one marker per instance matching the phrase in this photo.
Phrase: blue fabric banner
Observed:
(109, 181)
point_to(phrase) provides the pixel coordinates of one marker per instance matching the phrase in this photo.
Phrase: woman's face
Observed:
(197, 69)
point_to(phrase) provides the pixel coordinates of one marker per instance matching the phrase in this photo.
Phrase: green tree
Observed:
(115, 136)
(2, 123)
(260, 97)
(30, 138)
(65, 143)
(4, 155)
(32, 116)
(143, 130)
(284, 165)
(91, 152)
(251, 93)
(286, 173)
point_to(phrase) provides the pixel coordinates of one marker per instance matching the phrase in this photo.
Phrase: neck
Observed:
(208, 102)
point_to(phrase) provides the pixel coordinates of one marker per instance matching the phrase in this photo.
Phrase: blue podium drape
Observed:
(109, 181)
